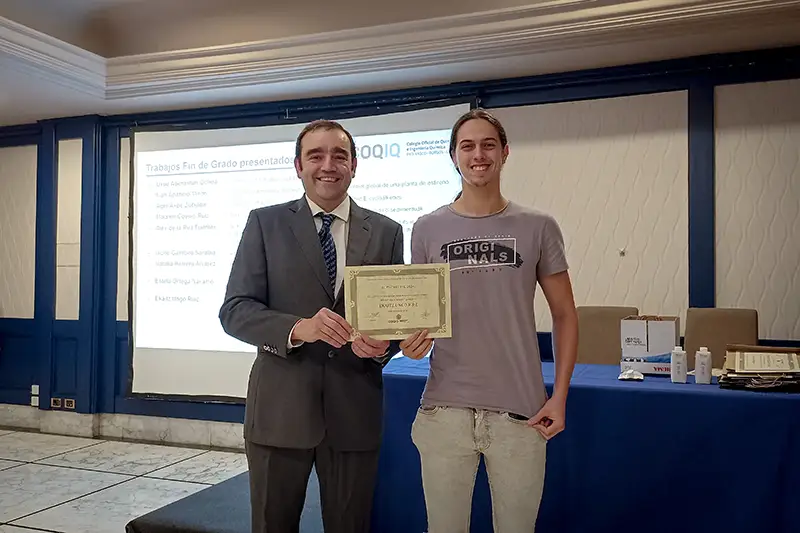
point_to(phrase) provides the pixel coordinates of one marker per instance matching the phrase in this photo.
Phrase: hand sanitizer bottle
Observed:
(702, 366)
(678, 365)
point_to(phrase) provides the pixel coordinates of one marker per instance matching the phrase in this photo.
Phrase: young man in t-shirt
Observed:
(485, 393)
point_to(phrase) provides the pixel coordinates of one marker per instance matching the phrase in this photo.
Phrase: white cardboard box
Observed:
(647, 343)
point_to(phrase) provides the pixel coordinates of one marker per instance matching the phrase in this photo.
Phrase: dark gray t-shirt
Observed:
(492, 361)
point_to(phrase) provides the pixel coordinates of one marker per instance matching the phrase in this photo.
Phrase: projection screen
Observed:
(191, 193)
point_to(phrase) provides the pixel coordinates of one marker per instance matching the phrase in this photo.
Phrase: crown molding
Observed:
(497, 35)
(53, 59)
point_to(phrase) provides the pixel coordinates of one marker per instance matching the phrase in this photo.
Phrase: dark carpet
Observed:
(223, 508)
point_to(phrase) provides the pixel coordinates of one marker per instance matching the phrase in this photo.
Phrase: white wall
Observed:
(17, 231)
(758, 203)
(614, 173)
(68, 229)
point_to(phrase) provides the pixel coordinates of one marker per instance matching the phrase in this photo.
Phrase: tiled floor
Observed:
(73, 485)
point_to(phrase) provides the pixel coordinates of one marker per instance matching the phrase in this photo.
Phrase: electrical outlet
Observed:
(34, 401)
(55, 403)
(69, 403)
(35, 390)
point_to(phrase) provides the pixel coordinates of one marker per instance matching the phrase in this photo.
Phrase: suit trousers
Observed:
(279, 479)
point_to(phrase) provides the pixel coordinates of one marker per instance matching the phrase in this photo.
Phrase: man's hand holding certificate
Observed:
(393, 302)
(367, 347)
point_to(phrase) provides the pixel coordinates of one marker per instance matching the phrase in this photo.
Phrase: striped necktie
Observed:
(328, 247)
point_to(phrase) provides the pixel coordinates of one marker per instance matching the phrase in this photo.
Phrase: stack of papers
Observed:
(761, 368)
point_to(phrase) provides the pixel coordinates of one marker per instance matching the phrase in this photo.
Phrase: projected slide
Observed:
(192, 193)
(192, 206)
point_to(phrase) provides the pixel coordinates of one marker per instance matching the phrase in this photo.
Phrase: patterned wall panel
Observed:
(758, 203)
(17, 231)
(68, 230)
(124, 209)
(614, 173)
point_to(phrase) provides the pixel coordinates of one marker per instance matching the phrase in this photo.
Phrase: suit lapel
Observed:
(357, 239)
(360, 232)
(304, 229)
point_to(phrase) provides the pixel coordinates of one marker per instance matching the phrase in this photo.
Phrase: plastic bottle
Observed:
(702, 366)
(678, 365)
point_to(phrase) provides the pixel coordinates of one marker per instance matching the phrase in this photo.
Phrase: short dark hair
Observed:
(323, 125)
(477, 113)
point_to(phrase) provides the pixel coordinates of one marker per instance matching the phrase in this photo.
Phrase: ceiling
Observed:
(72, 57)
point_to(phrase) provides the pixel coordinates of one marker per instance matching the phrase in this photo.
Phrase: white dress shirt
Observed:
(340, 231)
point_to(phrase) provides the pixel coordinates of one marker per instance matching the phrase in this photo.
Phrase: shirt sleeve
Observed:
(553, 258)
(289, 344)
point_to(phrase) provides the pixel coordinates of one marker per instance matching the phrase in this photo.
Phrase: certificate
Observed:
(392, 302)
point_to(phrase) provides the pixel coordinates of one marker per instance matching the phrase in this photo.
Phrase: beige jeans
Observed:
(450, 442)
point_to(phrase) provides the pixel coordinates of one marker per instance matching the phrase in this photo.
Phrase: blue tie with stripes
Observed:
(328, 248)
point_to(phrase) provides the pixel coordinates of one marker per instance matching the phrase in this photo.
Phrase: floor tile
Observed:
(210, 467)
(8, 464)
(108, 511)
(5, 431)
(23, 446)
(12, 529)
(123, 457)
(30, 488)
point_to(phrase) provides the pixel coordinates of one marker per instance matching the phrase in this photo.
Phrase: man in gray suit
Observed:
(314, 397)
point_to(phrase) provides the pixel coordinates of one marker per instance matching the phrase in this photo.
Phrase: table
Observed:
(648, 456)
(638, 457)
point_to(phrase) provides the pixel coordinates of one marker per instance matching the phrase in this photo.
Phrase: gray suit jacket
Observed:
(296, 398)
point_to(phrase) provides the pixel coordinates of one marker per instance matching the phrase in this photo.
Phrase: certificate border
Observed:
(352, 273)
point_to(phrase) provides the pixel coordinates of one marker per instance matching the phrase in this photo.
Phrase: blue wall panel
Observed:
(122, 361)
(15, 396)
(65, 367)
(19, 344)
(92, 265)
(19, 366)
(45, 285)
(107, 254)
(89, 357)
(702, 239)
(67, 340)
(24, 135)
(219, 412)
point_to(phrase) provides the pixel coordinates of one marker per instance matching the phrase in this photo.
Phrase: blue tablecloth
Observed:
(643, 457)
